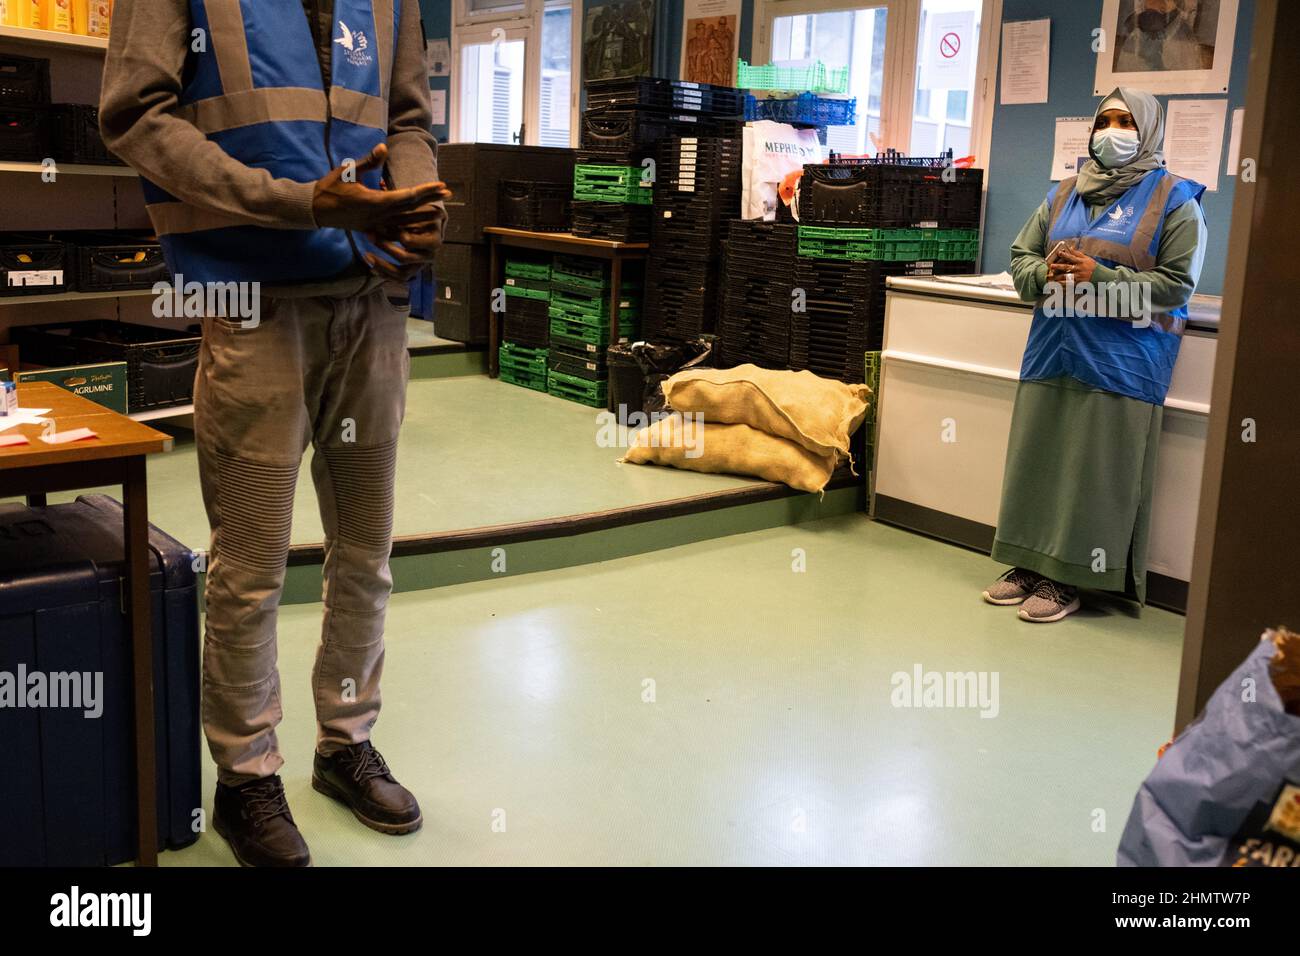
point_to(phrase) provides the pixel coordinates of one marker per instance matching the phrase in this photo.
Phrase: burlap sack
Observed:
(818, 413)
(729, 449)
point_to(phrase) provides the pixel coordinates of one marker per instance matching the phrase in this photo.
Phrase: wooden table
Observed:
(115, 457)
(565, 243)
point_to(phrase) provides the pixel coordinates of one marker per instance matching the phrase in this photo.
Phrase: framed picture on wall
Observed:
(617, 39)
(1166, 46)
(710, 41)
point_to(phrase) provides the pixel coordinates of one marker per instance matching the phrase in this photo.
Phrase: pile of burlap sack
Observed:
(791, 427)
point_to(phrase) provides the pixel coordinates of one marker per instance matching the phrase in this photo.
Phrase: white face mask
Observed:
(1115, 147)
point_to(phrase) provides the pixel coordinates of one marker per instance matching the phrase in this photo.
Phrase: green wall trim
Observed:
(422, 571)
(448, 364)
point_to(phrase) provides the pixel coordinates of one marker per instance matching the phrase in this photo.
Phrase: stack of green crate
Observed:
(599, 182)
(523, 366)
(529, 280)
(872, 378)
(580, 306)
(888, 245)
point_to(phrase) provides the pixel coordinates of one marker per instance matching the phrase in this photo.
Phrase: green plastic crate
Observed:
(536, 382)
(594, 304)
(522, 360)
(581, 390)
(522, 269)
(516, 287)
(813, 78)
(580, 335)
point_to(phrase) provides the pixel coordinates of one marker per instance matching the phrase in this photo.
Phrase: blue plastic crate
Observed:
(806, 108)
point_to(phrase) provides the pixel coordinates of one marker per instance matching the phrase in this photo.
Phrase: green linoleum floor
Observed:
(771, 738)
(474, 452)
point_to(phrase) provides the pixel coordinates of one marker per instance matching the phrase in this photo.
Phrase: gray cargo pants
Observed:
(331, 372)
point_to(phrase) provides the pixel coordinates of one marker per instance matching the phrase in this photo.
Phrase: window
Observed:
(945, 76)
(512, 72)
(918, 68)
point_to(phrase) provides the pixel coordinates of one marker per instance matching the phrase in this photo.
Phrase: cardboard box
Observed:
(104, 383)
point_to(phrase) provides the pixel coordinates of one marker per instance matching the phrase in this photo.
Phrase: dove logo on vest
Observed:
(354, 46)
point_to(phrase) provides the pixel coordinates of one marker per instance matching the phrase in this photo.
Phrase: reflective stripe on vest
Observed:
(255, 89)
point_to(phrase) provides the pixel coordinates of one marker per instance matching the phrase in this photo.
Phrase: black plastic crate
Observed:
(24, 134)
(473, 171)
(34, 265)
(74, 135)
(160, 362)
(621, 222)
(24, 81)
(115, 261)
(535, 206)
(462, 292)
(579, 363)
(659, 93)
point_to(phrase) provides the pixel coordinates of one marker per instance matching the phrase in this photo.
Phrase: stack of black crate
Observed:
(463, 289)
(758, 283)
(841, 315)
(624, 120)
(697, 192)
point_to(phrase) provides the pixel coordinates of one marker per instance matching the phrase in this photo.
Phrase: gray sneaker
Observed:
(1013, 587)
(1049, 602)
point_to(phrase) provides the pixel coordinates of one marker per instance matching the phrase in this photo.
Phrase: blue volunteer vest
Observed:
(1112, 353)
(256, 90)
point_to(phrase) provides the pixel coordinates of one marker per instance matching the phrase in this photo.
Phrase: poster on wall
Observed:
(710, 41)
(617, 39)
(946, 52)
(1166, 46)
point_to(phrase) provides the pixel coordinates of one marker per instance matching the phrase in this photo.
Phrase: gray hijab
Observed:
(1096, 183)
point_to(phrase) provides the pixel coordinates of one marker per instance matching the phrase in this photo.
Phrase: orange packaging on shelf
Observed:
(22, 13)
(57, 15)
(98, 13)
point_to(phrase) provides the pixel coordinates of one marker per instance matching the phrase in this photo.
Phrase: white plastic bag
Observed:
(772, 151)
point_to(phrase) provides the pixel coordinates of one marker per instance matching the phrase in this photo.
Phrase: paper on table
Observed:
(7, 440)
(1194, 139)
(1073, 134)
(1026, 59)
(1000, 280)
(22, 416)
(1234, 144)
(62, 438)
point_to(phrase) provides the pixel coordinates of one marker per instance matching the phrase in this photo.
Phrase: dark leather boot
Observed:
(254, 819)
(358, 778)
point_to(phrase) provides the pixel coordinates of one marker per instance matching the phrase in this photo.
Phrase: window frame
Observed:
(469, 28)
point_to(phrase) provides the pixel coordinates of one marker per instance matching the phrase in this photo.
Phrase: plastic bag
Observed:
(1227, 790)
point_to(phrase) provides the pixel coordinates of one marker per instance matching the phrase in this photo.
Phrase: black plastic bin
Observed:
(24, 134)
(69, 793)
(24, 81)
(160, 362)
(33, 265)
(535, 206)
(637, 371)
(116, 261)
(74, 135)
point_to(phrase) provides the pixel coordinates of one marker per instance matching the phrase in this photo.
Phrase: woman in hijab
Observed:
(1112, 257)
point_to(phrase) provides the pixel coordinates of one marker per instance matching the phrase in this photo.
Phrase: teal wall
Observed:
(436, 15)
(1023, 134)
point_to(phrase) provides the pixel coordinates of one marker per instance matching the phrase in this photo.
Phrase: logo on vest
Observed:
(354, 46)
(1120, 216)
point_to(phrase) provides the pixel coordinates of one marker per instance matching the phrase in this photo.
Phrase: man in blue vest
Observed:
(285, 151)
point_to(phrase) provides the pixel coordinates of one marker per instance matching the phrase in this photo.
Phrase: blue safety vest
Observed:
(1112, 354)
(255, 88)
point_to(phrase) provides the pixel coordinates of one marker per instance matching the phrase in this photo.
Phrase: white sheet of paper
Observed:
(7, 440)
(1194, 139)
(1234, 143)
(946, 53)
(1026, 61)
(1072, 136)
(438, 106)
(63, 438)
(22, 416)
(438, 57)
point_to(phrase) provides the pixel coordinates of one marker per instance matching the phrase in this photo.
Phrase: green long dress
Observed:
(1076, 495)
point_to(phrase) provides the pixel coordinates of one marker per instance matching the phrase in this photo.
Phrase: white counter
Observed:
(950, 368)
